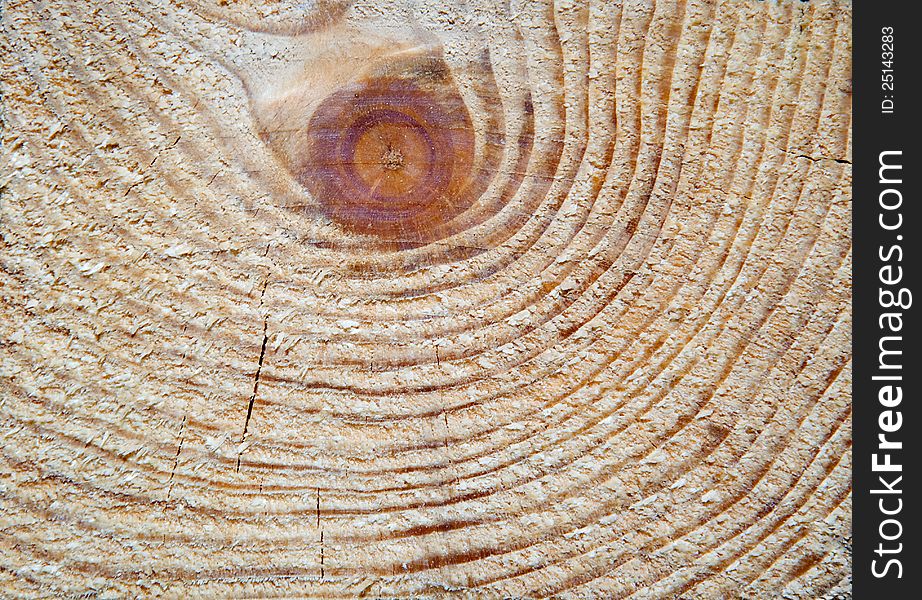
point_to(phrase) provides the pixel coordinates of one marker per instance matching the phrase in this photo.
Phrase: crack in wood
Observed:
(322, 569)
(259, 368)
(182, 428)
(317, 510)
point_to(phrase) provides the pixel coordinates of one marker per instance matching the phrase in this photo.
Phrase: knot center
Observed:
(392, 159)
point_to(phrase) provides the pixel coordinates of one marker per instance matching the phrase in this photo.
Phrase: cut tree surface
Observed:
(484, 299)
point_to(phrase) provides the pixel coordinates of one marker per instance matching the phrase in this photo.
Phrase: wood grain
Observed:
(332, 299)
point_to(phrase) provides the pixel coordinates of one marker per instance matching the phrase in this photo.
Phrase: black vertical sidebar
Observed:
(886, 229)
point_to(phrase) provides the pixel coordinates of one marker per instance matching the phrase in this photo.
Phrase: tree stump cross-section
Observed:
(420, 300)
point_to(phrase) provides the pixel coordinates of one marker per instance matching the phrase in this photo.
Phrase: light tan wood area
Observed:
(480, 299)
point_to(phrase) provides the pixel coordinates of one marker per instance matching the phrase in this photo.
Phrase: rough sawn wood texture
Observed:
(477, 299)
